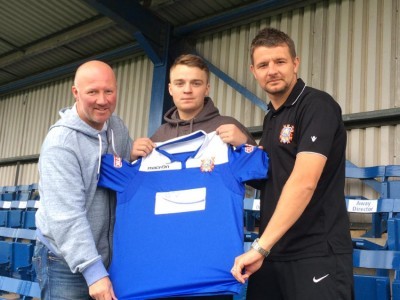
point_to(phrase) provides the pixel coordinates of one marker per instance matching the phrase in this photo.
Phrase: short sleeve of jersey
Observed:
(248, 162)
(115, 173)
(318, 124)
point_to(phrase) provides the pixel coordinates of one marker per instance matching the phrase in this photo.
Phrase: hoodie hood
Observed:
(70, 119)
(208, 112)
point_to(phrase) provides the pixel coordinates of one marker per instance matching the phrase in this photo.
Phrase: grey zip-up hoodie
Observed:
(208, 120)
(75, 219)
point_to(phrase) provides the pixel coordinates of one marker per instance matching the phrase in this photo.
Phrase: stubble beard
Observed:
(275, 92)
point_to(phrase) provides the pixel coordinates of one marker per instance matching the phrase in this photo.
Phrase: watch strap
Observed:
(256, 246)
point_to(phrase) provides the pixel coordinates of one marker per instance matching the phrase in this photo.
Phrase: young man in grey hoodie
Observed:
(194, 110)
(75, 220)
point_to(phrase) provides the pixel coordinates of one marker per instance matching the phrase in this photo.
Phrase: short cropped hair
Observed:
(271, 37)
(191, 60)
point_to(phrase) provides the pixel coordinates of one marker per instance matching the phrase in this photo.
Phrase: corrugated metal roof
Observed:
(183, 12)
(41, 35)
(23, 22)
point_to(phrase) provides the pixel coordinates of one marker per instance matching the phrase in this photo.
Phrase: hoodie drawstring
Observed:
(112, 143)
(101, 150)
(100, 153)
(177, 129)
(191, 125)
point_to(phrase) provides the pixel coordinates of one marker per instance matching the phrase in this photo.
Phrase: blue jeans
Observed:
(56, 280)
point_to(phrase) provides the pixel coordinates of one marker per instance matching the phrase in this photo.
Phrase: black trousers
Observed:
(327, 278)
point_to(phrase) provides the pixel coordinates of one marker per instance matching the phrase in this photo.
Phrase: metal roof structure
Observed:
(43, 39)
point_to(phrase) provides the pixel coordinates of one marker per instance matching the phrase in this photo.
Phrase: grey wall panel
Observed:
(28, 174)
(7, 175)
(12, 126)
(228, 52)
(27, 116)
(134, 78)
(374, 146)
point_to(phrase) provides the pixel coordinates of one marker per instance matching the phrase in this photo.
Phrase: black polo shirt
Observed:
(309, 121)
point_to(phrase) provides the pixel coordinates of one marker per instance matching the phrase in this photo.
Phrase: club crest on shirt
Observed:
(248, 148)
(207, 164)
(286, 135)
(117, 162)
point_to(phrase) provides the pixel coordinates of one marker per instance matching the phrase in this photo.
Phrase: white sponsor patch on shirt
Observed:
(180, 201)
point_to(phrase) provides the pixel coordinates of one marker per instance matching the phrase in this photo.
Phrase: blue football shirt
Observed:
(179, 216)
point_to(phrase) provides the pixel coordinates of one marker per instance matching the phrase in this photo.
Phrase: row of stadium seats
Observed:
(18, 205)
(19, 192)
(382, 281)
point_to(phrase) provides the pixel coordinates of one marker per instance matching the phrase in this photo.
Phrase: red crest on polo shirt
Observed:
(286, 135)
(207, 164)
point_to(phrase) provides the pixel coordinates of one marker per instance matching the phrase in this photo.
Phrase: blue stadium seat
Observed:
(392, 176)
(15, 213)
(22, 262)
(18, 205)
(9, 193)
(6, 255)
(378, 206)
(3, 217)
(371, 287)
(375, 178)
(29, 219)
(377, 286)
(34, 187)
(383, 260)
(28, 216)
(12, 213)
(23, 192)
(26, 289)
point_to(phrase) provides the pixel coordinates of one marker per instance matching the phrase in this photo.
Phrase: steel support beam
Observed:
(382, 117)
(149, 30)
(237, 86)
(237, 14)
(376, 118)
(153, 35)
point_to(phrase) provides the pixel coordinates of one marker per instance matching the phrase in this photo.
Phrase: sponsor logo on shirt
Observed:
(286, 135)
(163, 167)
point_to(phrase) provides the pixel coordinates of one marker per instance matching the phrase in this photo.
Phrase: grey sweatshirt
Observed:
(75, 219)
(208, 120)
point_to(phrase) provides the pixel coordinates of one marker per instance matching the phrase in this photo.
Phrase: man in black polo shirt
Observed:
(304, 228)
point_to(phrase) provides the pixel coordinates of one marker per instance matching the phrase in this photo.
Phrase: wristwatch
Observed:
(259, 249)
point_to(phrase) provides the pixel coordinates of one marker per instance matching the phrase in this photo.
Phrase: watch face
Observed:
(255, 245)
